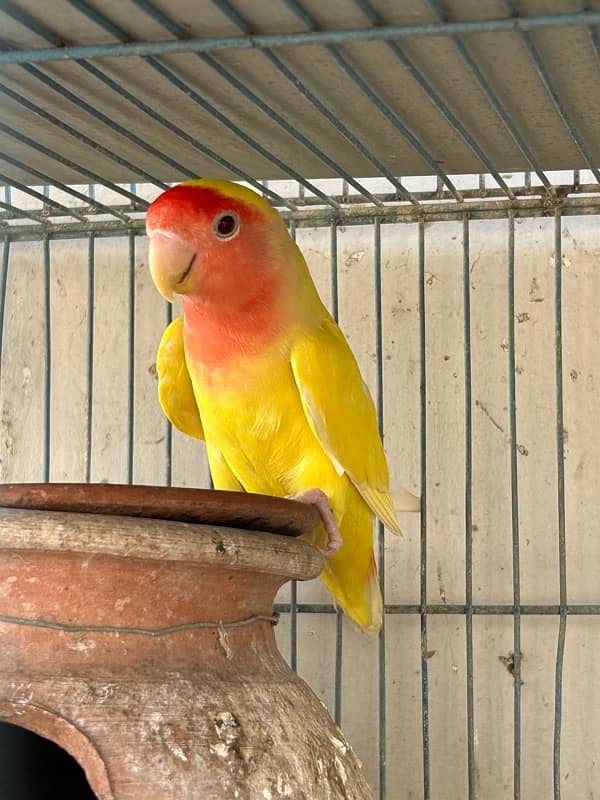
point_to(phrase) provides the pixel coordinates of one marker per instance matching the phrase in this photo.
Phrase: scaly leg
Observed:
(319, 499)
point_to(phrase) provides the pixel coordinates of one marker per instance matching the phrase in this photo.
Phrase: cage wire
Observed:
(466, 294)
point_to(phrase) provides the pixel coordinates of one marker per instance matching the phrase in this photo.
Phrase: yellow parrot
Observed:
(260, 371)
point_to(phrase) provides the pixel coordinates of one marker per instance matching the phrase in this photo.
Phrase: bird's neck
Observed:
(253, 320)
(216, 336)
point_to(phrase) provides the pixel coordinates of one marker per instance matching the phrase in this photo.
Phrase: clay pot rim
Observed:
(246, 510)
(158, 540)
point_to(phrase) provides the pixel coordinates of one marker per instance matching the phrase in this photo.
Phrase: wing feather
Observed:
(175, 391)
(342, 415)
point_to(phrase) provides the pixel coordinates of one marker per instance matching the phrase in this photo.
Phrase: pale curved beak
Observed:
(171, 260)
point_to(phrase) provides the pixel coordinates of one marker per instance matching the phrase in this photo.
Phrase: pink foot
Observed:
(319, 499)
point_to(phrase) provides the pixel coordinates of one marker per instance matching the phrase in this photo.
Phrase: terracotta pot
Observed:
(145, 647)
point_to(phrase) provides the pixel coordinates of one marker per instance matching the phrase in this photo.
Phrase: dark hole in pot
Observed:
(34, 768)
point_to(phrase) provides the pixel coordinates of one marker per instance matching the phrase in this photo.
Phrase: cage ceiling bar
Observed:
(161, 119)
(213, 43)
(492, 98)
(88, 200)
(241, 87)
(376, 100)
(238, 20)
(82, 137)
(93, 176)
(438, 102)
(307, 209)
(555, 96)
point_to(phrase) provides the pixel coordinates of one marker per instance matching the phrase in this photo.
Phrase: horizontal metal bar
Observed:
(578, 610)
(336, 36)
(564, 193)
(95, 210)
(316, 218)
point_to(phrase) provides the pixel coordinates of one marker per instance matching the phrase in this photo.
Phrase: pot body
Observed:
(146, 649)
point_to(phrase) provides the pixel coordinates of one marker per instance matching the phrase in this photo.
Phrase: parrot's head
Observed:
(217, 243)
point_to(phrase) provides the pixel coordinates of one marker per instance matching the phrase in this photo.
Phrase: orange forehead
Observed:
(187, 204)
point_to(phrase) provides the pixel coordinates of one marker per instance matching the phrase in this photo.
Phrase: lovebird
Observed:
(258, 369)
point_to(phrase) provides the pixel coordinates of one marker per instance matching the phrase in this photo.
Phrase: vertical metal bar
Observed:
(514, 494)
(294, 584)
(423, 552)
(337, 704)
(3, 285)
(90, 354)
(333, 260)
(47, 358)
(380, 536)
(294, 626)
(337, 698)
(169, 437)
(131, 358)
(560, 464)
(468, 511)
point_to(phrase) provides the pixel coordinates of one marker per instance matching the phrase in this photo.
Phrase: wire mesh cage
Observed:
(467, 288)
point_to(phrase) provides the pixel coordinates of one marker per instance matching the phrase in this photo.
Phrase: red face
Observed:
(231, 259)
(211, 247)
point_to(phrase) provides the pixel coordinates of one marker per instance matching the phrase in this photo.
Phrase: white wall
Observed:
(21, 454)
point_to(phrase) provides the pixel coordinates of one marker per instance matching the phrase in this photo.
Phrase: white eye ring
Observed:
(226, 225)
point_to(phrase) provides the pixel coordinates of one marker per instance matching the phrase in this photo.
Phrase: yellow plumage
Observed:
(311, 411)
(286, 416)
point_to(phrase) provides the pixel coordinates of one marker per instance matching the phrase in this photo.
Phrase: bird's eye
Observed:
(226, 225)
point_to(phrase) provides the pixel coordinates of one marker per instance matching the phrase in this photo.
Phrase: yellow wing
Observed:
(341, 414)
(175, 390)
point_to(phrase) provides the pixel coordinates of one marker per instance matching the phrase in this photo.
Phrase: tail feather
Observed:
(351, 573)
(360, 600)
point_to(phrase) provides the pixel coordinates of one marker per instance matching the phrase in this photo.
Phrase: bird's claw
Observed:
(318, 498)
